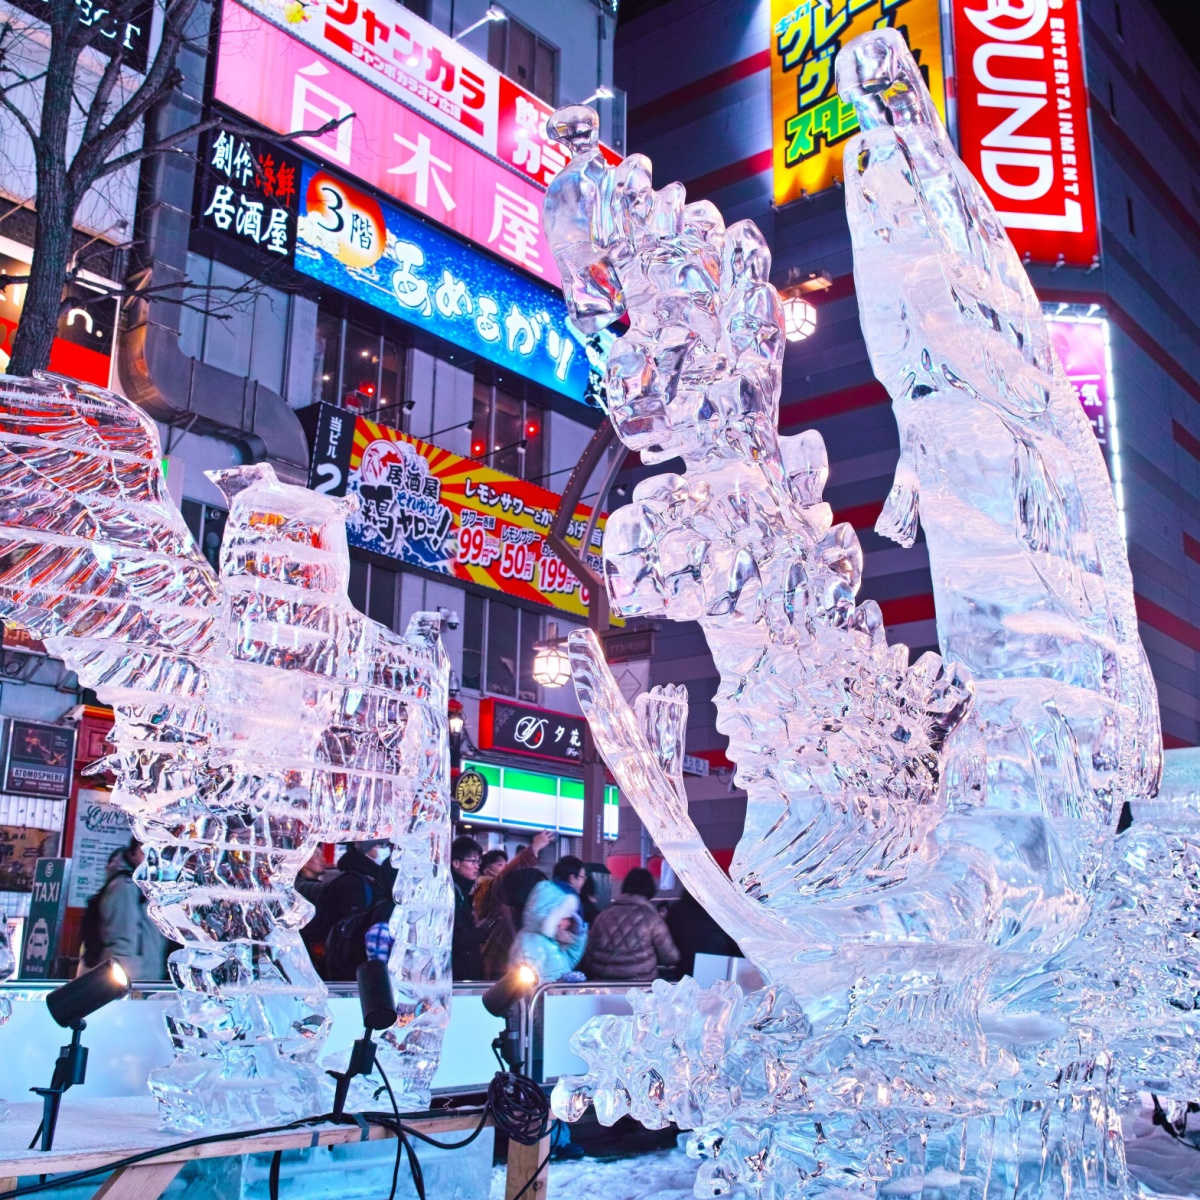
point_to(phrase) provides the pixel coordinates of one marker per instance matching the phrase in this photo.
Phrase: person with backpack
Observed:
(117, 925)
(350, 905)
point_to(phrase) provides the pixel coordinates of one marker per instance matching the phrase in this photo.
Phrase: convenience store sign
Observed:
(538, 800)
(429, 508)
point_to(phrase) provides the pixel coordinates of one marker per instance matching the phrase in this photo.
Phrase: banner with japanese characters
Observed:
(426, 507)
(380, 140)
(247, 190)
(397, 52)
(398, 263)
(809, 123)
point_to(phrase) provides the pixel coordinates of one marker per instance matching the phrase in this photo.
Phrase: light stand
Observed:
(379, 1013)
(69, 1005)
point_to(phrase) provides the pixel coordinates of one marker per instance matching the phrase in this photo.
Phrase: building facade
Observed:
(1100, 197)
(348, 279)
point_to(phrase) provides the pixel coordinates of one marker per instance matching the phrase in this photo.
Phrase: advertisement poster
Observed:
(522, 729)
(1023, 123)
(381, 142)
(101, 829)
(421, 505)
(1081, 344)
(20, 848)
(46, 909)
(395, 262)
(809, 123)
(38, 759)
(413, 62)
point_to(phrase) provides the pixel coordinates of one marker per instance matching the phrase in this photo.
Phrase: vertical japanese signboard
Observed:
(1081, 344)
(809, 123)
(1023, 123)
(421, 505)
(396, 263)
(247, 191)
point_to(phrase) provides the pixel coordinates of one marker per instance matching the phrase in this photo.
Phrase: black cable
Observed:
(402, 1144)
(273, 1175)
(34, 1140)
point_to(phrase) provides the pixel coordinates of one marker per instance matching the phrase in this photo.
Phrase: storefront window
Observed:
(360, 369)
(327, 356)
(502, 648)
(507, 431)
(474, 621)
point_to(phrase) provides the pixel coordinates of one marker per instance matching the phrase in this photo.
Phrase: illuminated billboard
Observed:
(809, 123)
(1022, 119)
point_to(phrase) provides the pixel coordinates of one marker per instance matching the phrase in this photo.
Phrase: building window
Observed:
(507, 431)
(498, 641)
(375, 590)
(360, 369)
(532, 61)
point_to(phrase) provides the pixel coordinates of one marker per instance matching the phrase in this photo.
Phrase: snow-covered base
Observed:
(1166, 1169)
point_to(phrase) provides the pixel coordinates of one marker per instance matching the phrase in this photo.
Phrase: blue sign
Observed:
(395, 262)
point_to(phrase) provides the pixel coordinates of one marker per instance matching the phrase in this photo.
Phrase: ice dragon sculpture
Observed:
(923, 841)
(257, 713)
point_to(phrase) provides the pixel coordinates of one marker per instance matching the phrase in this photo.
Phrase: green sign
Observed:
(44, 923)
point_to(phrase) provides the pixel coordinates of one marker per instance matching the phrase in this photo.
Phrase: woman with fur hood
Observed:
(553, 935)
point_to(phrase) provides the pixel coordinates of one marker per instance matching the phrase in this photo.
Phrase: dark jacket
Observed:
(126, 931)
(629, 941)
(695, 932)
(361, 884)
(505, 908)
(466, 954)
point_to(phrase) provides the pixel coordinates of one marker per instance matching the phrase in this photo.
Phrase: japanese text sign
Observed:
(809, 123)
(538, 732)
(399, 264)
(381, 142)
(1081, 344)
(432, 509)
(248, 192)
(413, 62)
(1023, 122)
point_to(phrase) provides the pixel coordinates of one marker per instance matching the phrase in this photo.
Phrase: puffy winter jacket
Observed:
(537, 943)
(629, 941)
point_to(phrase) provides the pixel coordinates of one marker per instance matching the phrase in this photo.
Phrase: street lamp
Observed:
(493, 14)
(456, 725)
(551, 666)
(799, 314)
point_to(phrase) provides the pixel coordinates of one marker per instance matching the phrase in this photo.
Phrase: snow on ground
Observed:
(661, 1175)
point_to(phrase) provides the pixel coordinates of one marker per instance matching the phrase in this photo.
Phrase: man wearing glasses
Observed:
(466, 956)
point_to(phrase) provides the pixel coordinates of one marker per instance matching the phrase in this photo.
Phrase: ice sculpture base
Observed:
(192, 1098)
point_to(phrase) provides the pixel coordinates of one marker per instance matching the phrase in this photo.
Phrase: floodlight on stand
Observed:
(378, 1013)
(69, 1005)
(551, 666)
(493, 14)
(515, 985)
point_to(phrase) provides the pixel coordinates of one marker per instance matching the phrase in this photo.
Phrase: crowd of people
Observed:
(507, 911)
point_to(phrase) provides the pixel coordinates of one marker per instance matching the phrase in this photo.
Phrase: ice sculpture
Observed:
(257, 713)
(923, 841)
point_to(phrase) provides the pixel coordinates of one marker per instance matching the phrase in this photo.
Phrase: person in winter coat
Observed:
(466, 957)
(552, 936)
(495, 866)
(509, 896)
(126, 931)
(629, 939)
(366, 878)
(695, 932)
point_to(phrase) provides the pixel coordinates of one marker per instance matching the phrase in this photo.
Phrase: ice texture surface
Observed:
(257, 713)
(928, 873)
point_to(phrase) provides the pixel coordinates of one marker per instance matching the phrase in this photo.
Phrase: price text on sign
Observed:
(426, 507)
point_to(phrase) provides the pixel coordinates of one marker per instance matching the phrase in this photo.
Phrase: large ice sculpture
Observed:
(257, 713)
(923, 841)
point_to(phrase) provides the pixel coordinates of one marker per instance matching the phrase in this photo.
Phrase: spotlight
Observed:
(514, 985)
(379, 1012)
(69, 1005)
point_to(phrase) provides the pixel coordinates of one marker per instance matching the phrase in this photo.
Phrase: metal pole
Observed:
(598, 614)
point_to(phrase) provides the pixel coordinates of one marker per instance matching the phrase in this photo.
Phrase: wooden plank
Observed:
(7, 1183)
(146, 1181)
(58, 1162)
(523, 1161)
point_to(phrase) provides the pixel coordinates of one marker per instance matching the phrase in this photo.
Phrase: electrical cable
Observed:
(273, 1175)
(402, 1143)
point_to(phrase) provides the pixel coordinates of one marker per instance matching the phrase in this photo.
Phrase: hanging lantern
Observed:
(551, 666)
(799, 318)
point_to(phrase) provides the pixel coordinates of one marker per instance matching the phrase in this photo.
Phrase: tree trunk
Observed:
(43, 296)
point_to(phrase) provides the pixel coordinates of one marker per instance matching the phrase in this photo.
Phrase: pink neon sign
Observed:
(383, 143)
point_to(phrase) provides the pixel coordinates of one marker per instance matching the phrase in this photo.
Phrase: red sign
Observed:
(382, 142)
(1023, 124)
(522, 729)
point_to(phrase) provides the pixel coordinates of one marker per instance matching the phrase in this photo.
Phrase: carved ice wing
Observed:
(650, 777)
(92, 551)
